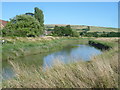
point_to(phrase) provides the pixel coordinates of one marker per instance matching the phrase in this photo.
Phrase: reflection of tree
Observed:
(32, 60)
(68, 49)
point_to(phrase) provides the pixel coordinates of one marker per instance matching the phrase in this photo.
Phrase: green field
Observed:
(101, 29)
(80, 27)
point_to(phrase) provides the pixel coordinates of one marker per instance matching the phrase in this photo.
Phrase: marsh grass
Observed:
(18, 47)
(100, 72)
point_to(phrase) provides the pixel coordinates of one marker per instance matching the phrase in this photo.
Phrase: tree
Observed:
(63, 31)
(68, 30)
(75, 34)
(95, 34)
(38, 14)
(88, 28)
(57, 30)
(22, 25)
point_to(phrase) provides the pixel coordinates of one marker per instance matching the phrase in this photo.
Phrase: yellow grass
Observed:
(100, 72)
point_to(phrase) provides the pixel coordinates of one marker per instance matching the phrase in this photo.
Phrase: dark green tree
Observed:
(68, 30)
(62, 31)
(75, 34)
(38, 14)
(57, 31)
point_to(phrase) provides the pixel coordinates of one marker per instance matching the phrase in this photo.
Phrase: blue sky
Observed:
(78, 13)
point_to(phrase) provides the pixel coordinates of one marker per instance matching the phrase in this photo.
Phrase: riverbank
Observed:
(19, 47)
(100, 72)
(99, 45)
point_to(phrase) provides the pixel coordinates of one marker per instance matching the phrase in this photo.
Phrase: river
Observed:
(71, 53)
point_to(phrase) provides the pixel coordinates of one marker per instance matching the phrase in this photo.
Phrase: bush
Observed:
(75, 34)
(63, 31)
(22, 25)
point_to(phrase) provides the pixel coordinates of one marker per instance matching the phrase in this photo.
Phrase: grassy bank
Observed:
(100, 72)
(18, 47)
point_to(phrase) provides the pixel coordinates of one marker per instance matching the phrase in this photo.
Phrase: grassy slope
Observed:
(101, 29)
(100, 72)
(93, 28)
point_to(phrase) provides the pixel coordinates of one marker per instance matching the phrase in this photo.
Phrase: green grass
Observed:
(100, 72)
(23, 46)
(109, 44)
(101, 29)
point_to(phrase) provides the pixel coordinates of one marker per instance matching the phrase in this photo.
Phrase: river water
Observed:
(71, 53)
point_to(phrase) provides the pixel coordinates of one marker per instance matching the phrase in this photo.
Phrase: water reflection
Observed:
(82, 52)
(67, 55)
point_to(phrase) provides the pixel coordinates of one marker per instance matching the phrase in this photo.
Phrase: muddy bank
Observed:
(99, 45)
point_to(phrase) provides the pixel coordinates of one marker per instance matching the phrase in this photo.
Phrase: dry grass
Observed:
(29, 39)
(101, 72)
(108, 39)
(101, 29)
(22, 46)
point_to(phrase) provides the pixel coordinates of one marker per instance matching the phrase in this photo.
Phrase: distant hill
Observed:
(80, 28)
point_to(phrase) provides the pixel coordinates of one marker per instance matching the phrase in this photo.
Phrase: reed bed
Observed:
(100, 72)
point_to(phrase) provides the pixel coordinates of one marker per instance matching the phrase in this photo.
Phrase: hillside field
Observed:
(80, 27)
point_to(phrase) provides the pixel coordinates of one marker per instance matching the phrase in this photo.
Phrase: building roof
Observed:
(3, 23)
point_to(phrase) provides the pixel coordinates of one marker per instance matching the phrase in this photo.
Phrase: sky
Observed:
(60, 0)
(104, 14)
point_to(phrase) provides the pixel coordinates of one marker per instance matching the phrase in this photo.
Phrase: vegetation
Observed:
(111, 34)
(102, 29)
(75, 34)
(26, 25)
(109, 44)
(64, 31)
(100, 34)
(84, 31)
(21, 46)
(39, 16)
(100, 72)
(22, 25)
(81, 28)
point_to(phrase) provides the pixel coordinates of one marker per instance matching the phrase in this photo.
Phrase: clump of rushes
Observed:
(100, 72)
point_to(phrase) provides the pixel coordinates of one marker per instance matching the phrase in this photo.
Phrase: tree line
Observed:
(64, 31)
(100, 34)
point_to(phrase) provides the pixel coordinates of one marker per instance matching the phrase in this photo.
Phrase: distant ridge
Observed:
(80, 27)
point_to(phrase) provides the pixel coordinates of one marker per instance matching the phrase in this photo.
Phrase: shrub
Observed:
(63, 31)
(22, 25)
(75, 34)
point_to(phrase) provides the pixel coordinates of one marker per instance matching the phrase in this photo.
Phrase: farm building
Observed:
(2, 23)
